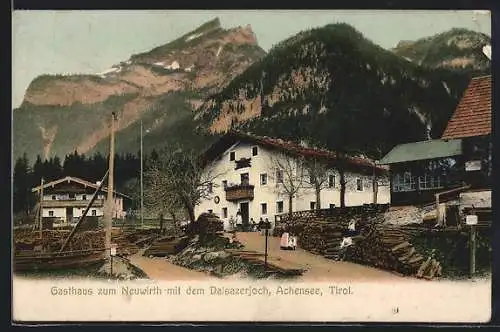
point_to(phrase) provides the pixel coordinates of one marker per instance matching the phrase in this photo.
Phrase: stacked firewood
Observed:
(319, 237)
(389, 248)
(167, 245)
(207, 223)
(52, 241)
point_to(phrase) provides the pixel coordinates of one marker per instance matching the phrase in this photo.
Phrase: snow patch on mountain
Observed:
(196, 35)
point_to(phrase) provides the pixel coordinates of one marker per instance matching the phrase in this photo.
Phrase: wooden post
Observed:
(265, 255)
(108, 216)
(472, 248)
(41, 208)
(438, 216)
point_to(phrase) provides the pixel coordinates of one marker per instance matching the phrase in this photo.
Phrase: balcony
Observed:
(72, 203)
(238, 192)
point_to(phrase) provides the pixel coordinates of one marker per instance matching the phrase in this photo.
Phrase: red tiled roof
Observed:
(297, 149)
(472, 116)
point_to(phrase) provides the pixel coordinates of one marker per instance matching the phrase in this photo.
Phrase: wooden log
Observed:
(400, 246)
(423, 267)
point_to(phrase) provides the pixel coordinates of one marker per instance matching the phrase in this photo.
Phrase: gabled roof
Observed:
(472, 116)
(76, 180)
(287, 147)
(431, 149)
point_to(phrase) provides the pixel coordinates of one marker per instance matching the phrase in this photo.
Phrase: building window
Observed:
(210, 187)
(359, 184)
(94, 212)
(312, 205)
(254, 151)
(54, 197)
(331, 181)
(429, 182)
(232, 156)
(263, 179)
(279, 176)
(279, 207)
(210, 211)
(51, 213)
(403, 182)
(245, 180)
(263, 208)
(71, 196)
(84, 197)
(224, 184)
(224, 212)
(332, 206)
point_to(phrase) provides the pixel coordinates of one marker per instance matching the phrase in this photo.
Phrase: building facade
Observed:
(254, 175)
(460, 161)
(65, 200)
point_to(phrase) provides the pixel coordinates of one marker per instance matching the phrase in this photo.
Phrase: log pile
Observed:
(321, 238)
(389, 248)
(52, 241)
(167, 245)
(206, 224)
(374, 243)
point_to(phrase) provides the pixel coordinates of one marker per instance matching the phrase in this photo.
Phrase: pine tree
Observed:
(23, 199)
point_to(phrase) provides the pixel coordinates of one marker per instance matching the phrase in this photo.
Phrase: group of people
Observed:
(251, 226)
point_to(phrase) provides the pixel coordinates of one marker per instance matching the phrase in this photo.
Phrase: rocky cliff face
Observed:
(195, 65)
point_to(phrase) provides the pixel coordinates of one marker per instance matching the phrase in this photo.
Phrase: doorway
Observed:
(244, 212)
(69, 214)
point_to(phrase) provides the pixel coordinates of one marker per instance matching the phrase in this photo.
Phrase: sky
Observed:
(86, 42)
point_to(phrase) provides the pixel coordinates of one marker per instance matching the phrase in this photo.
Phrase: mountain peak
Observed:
(457, 49)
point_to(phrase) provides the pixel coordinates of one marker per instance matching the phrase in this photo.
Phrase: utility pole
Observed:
(108, 217)
(41, 208)
(142, 184)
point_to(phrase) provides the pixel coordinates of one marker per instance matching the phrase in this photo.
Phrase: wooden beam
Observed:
(84, 214)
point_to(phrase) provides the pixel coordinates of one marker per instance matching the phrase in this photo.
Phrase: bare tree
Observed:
(340, 166)
(158, 197)
(318, 173)
(289, 173)
(377, 180)
(179, 179)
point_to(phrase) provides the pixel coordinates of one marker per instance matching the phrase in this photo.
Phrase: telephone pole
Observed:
(108, 217)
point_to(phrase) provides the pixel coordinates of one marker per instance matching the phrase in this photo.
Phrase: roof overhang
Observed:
(424, 150)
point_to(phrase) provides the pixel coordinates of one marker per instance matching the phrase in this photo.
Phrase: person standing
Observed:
(253, 225)
(261, 226)
(239, 221)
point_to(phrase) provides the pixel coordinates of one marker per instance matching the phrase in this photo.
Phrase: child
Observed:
(292, 244)
(231, 224)
(285, 240)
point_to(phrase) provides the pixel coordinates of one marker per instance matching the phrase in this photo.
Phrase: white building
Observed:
(66, 199)
(246, 176)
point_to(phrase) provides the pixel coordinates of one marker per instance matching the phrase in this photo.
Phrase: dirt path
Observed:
(158, 268)
(318, 268)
